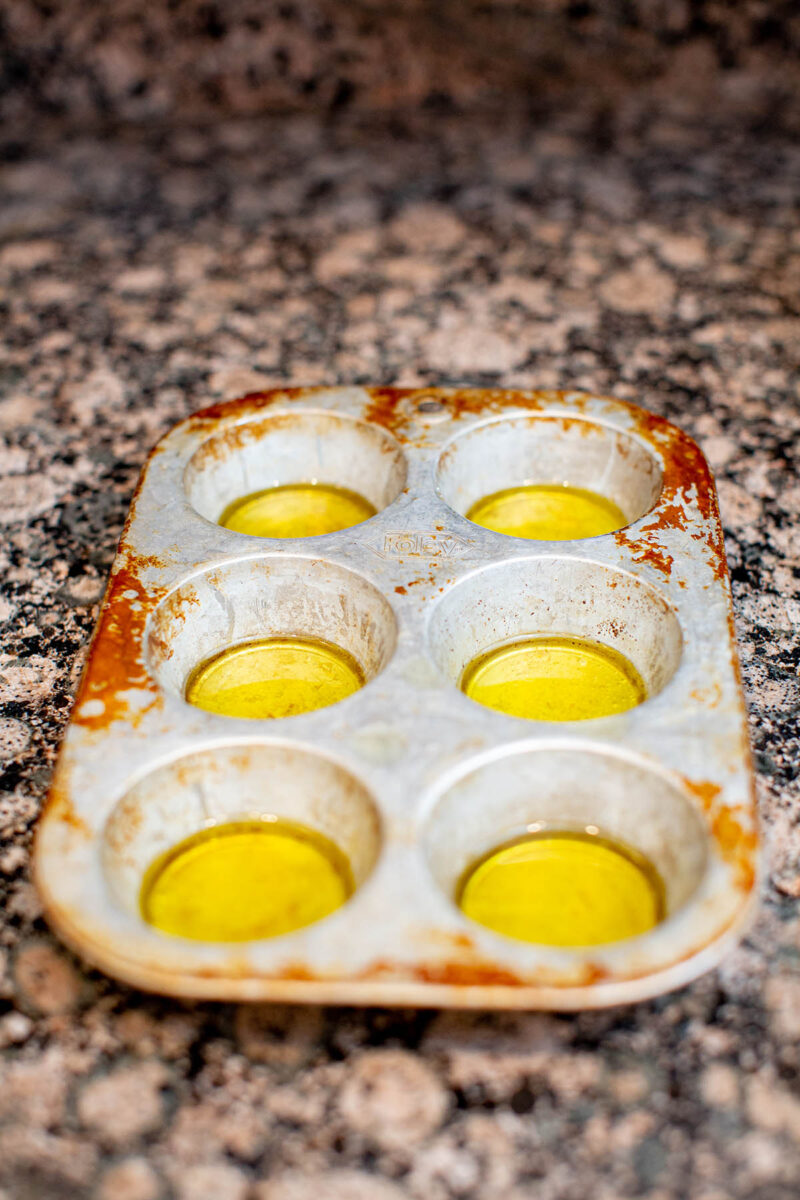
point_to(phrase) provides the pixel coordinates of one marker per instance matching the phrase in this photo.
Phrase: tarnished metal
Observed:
(408, 775)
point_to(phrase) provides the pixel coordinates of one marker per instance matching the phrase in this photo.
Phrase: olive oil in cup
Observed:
(547, 512)
(296, 510)
(563, 888)
(553, 678)
(245, 880)
(274, 677)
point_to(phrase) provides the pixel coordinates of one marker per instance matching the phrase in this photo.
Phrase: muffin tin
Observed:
(408, 776)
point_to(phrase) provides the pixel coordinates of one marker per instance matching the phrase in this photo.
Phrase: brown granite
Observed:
(640, 250)
(102, 62)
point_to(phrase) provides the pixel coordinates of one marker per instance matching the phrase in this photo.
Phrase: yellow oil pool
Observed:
(562, 888)
(274, 677)
(245, 880)
(296, 510)
(554, 679)
(547, 512)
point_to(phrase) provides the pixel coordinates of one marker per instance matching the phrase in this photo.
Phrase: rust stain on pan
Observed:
(460, 974)
(685, 466)
(115, 663)
(736, 842)
(59, 804)
(464, 966)
(251, 402)
(170, 614)
(737, 845)
(384, 408)
(705, 791)
(393, 408)
(390, 407)
(644, 549)
(686, 476)
(479, 974)
(710, 696)
(240, 968)
(455, 973)
(451, 974)
(233, 437)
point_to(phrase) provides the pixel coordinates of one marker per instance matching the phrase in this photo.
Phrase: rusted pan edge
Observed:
(435, 985)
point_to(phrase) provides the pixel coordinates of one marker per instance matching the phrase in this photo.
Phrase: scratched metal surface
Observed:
(405, 747)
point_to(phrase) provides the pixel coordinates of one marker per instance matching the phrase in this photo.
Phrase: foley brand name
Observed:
(422, 545)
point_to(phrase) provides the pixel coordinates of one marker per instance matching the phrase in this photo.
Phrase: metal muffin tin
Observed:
(411, 778)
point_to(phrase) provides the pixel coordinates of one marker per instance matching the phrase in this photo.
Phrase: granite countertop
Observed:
(148, 271)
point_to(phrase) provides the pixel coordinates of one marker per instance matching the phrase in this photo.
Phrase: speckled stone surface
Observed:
(148, 273)
(189, 60)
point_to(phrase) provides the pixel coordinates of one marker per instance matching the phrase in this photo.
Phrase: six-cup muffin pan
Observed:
(409, 777)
